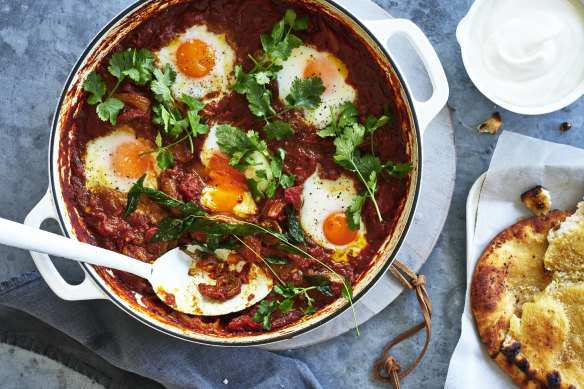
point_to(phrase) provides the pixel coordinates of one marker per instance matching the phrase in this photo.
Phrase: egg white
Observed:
(337, 93)
(321, 198)
(217, 80)
(99, 170)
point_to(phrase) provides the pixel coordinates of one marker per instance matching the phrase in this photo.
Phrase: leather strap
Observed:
(389, 363)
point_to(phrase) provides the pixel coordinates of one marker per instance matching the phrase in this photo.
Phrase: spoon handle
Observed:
(30, 238)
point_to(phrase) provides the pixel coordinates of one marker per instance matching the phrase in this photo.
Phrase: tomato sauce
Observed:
(243, 22)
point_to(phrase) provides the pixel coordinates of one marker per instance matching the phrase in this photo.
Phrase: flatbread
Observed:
(566, 250)
(509, 274)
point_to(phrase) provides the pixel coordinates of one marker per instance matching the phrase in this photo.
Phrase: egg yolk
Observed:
(322, 67)
(126, 162)
(195, 58)
(229, 184)
(336, 230)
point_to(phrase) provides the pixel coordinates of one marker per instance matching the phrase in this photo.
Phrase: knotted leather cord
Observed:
(388, 362)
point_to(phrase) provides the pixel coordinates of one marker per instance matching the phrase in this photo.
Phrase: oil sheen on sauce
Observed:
(528, 53)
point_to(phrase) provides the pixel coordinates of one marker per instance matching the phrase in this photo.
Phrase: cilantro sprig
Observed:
(289, 292)
(134, 64)
(138, 66)
(304, 93)
(167, 114)
(247, 149)
(194, 218)
(349, 134)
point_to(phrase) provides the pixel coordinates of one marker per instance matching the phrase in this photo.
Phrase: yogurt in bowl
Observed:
(525, 55)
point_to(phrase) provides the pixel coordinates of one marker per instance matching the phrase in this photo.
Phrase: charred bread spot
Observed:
(492, 125)
(511, 351)
(538, 200)
(554, 380)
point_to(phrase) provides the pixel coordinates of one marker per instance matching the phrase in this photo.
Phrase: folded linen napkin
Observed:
(27, 305)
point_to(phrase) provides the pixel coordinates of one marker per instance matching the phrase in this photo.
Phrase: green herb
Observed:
(277, 45)
(275, 260)
(349, 134)
(165, 160)
(172, 120)
(265, 309)
(194, 218)
(137, 65)
(295, 231)
(245, 150)
(214, 242)
(158, 197)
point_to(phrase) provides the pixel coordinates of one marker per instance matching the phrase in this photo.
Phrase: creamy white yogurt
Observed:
(527, 52)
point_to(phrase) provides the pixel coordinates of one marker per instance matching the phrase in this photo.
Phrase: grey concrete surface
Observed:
(41, 40)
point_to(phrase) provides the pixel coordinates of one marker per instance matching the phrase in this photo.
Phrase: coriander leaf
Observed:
(305, 93)
(196, 126)
(121, 63)
(286, 305)
(287, 181)
(232, 140)
(329, 130)
(192, 103)
(259, 99)
(294, 228)
(349, 114)
(368, 164)
(143, 62)
(289, 17)
(165, 160)
(346, 144)
(300, 24)
(288, 291)
(322, 284)
(278, 130)
(109, 109)
(158, 139)
(400, 171)
(310, 308)
(277, 163)
(161, 85)
(265, 309)
(94, 84)
(263, 77)
(271, 189)
(353, 211)
(276, 260)
(253, 188)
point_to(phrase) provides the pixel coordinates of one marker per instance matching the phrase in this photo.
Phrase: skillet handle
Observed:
(87, 290)
(425, 110)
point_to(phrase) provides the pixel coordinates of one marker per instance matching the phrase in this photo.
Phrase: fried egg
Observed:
(112, 161)
(203, 61)
(323, 217)
(305, 62)
(226, 190)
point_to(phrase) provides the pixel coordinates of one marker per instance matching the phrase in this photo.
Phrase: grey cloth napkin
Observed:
(32, 317)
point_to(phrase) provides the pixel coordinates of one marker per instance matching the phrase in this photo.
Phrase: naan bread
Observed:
(509, 274)
(566, 250)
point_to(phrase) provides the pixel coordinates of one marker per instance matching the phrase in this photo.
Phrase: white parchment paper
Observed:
(518, 164)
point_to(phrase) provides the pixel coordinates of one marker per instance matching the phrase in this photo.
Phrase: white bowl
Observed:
(462, 35)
